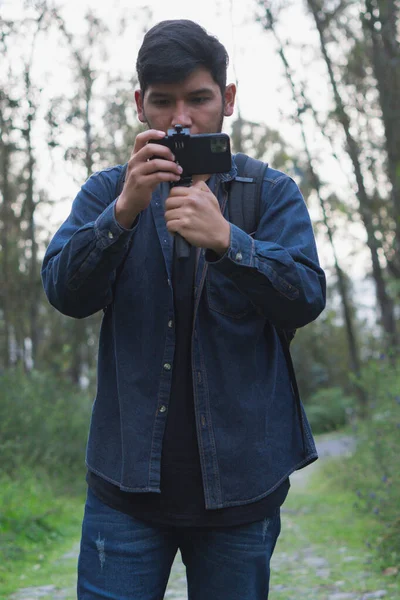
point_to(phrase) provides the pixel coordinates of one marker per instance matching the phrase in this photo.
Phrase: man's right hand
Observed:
(143, 175)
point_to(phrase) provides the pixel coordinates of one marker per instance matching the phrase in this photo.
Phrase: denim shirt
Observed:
(247, 425)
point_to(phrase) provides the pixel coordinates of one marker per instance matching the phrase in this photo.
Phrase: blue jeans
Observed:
(123, 558)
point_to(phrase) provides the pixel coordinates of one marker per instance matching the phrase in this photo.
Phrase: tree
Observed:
(324, 16)
(299, 99)
(381, 23)
(99, 141)
(18, 106)
(366, 210)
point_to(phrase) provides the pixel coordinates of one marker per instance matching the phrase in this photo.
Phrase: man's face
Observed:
(196, 103)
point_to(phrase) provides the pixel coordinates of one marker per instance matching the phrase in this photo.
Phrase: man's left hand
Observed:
(195, 214)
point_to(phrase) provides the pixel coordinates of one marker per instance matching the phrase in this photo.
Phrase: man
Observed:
(194, 430)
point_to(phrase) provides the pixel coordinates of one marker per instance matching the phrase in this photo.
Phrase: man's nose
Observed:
(181, 115)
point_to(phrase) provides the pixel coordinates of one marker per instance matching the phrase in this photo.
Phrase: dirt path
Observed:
(306, 573)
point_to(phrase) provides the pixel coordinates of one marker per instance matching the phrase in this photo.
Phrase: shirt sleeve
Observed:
(278, 269)
(80, 264)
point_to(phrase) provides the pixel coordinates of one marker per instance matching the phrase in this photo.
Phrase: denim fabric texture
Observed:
(247, 425)
(123, 558)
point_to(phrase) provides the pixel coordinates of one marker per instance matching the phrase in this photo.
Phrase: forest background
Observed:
(66, 111)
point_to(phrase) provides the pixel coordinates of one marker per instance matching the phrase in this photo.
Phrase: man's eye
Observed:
(200, 99)
(161, 102)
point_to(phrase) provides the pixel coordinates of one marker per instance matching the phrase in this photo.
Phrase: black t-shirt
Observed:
(181, 502)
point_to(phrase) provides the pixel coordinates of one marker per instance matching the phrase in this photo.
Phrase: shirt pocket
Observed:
(224, 297)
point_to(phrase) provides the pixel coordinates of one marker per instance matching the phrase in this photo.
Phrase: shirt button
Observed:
(110, 235)
(239, 256)
(167, 367)
(163, 408)
(170, 324)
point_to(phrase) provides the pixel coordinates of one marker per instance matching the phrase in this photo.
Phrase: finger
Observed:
(158, 177)
(179, 190)
(174, 214)
(174, 202)
(155, 165)
(143, 138)
(175, 225)
(201, 185)
(152, 150)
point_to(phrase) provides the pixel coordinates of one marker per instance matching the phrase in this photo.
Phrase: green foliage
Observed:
(328, 409)
(43, 429)
(373, 471)
(43, 424)
(34, 522)
(319, 520)
(320, 355)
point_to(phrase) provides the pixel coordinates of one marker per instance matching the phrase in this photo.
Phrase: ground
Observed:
(305, 566)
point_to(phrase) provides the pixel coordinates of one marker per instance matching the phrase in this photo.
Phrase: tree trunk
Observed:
(346, 305)
(6, 279)
(384, 300)
(85, 74)
(382, 30)
(34, 278)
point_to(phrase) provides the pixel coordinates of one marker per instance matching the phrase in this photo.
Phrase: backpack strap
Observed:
(245, 193)
(244, 212)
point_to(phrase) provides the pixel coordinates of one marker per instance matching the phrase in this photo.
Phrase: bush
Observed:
(328, 409)
(35, 521)
(373, 471)
(43, 424)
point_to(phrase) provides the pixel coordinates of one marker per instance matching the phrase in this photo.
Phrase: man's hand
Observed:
(194, 213)
(143, 176)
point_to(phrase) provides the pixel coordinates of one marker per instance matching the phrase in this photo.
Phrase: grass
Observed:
(326, 546)
(38, 526)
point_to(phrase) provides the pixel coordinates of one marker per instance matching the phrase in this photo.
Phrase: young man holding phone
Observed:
(194, 430)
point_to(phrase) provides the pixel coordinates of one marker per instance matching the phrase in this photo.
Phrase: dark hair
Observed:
(172, 50)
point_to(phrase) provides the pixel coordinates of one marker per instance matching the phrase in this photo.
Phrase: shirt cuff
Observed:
(109, 232)
(241, 252)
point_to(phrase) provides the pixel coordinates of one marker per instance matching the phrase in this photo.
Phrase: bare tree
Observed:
(381, 25)
(304, 104)
(107, 139)
(385, 301)
(30, 201)
(84, 54)
(6, 279)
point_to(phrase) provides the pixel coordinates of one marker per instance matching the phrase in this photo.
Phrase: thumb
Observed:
(201, 185)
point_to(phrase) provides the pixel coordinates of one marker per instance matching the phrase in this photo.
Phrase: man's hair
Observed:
(173, 49)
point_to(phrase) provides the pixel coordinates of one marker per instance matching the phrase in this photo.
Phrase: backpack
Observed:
(244, 212)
